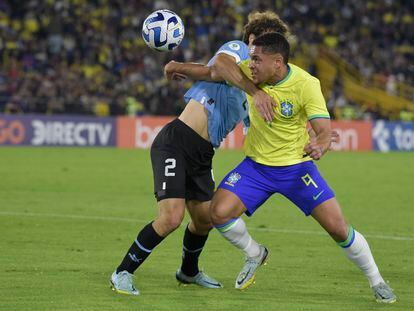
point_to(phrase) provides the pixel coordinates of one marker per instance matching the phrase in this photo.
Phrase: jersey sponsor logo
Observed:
(234, 46)
(232, 179)
(286, 108)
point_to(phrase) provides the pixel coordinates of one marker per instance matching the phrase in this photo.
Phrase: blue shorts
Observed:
(254, 183)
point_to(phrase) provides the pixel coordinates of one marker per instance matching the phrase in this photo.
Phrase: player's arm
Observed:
(334, 136)
(318, 116)
(321, 142)
(225, 68)
(180, 71)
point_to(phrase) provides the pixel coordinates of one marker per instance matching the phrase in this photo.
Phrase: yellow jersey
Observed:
(299, 99)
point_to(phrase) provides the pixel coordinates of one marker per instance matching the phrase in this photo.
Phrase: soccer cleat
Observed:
(383, 293)
(247, 275)
(122, 283)
(200, 279)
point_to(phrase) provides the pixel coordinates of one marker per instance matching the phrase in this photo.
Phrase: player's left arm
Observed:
(180, 71)
(318, 116)
(321, 142)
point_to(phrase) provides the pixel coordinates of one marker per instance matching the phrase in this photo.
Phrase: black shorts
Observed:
(182, 164)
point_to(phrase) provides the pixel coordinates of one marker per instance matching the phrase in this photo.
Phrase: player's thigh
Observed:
(200, 185)
(168, 166)
(244, 189)
(329, 215)
(304, 186)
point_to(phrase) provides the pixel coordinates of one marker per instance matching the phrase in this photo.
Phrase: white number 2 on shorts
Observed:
(170, 166)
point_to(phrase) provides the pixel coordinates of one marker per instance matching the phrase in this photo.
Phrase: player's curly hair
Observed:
(259, 23)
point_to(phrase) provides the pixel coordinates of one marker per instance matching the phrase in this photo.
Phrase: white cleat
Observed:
(383, 293)
(122, 283)
(247, 275)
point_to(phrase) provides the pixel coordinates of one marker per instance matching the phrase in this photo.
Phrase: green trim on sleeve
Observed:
(317, 116)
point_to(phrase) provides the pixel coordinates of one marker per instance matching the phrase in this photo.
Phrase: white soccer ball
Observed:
(163, 30)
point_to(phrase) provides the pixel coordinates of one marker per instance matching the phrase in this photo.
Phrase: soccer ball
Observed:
(163, 30)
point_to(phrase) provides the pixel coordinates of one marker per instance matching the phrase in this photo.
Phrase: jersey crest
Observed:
(286, 108)
(232, 179)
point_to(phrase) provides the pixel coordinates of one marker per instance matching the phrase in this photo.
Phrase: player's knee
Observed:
(338, 230)
(170, 218)
(172, 222)
(219, 213)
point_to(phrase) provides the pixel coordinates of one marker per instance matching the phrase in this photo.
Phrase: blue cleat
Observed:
(200, 279)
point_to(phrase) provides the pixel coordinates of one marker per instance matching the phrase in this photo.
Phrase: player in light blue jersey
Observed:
(225, 105)
(182, 153)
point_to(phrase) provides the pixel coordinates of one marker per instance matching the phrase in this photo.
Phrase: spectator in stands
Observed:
(81, 56)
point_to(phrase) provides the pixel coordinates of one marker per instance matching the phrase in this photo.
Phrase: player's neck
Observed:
(280, 76)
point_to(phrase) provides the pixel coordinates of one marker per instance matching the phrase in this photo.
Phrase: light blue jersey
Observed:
(226, 105)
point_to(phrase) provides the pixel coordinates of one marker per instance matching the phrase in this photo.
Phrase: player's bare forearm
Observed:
(225, 68)
(319, 144)
(179, 71)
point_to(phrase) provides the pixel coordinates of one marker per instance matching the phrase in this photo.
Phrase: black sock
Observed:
(192, 247)
(146, 240)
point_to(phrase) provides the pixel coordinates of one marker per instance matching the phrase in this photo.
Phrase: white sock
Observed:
(357, 250)
(235, 232)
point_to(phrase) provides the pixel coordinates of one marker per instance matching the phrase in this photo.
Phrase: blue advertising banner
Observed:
(57, 131)
(393, 136)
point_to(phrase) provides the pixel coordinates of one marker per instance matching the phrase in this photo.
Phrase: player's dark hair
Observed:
(259, 23)
(273, 43)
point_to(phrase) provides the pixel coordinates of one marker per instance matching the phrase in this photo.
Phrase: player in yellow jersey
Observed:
(279, 160)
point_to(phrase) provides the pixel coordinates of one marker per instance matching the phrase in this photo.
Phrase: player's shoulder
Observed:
(301, 75)
(235, 48)
(235, 45)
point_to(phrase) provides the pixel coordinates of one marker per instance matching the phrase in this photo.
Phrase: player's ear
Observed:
(278, 60)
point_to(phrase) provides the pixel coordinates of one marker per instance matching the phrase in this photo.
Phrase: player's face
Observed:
(264, 67)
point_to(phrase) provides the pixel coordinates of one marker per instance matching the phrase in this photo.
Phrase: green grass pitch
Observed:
(67, 216)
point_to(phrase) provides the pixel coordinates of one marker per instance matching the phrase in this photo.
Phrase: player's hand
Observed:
(334, 136)
(170, 72)
(314, 150)
(264, 104)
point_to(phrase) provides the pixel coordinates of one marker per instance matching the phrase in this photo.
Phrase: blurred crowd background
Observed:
(88, 57)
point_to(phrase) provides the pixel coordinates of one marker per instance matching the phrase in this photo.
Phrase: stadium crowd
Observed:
(88, 57)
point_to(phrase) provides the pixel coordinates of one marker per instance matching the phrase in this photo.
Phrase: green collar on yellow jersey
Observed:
(285, 78)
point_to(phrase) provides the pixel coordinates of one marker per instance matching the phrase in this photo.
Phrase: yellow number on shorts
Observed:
(308, 180)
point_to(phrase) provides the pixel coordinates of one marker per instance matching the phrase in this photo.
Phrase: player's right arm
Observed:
(225, 68)
(180, 71)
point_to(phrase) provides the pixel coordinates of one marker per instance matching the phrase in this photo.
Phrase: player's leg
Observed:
(239, 193)
(171, 213)
(354, 245)
(226, 209)
(310, 192)
(169, 188)
(195, 237)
